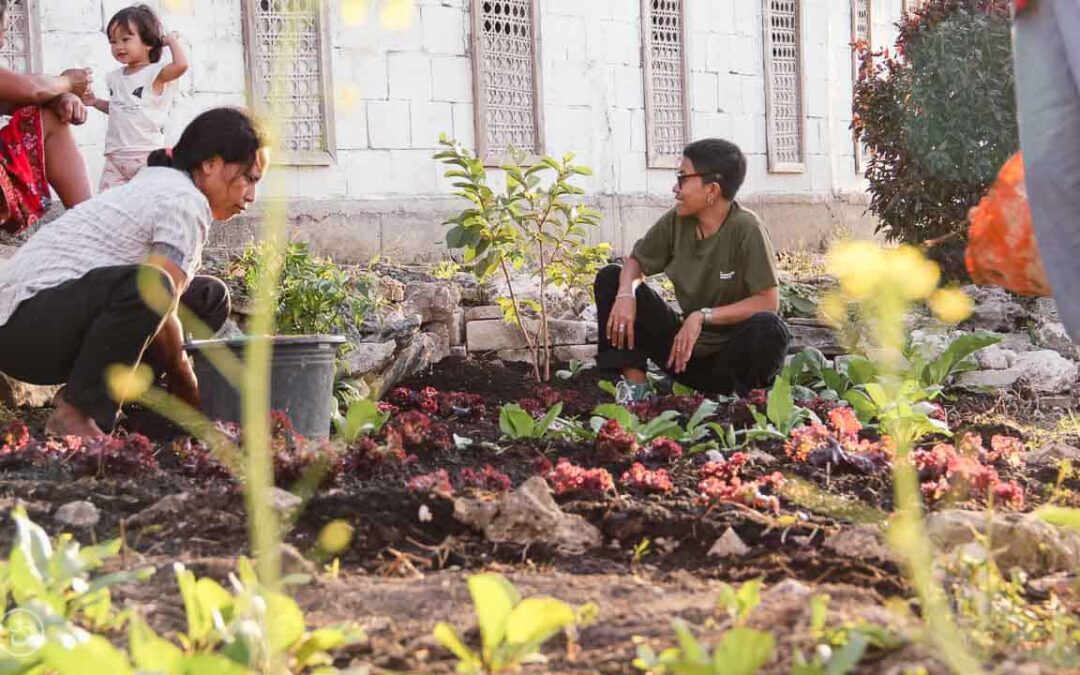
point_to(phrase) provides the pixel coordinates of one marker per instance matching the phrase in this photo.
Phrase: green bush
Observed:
(938, 116)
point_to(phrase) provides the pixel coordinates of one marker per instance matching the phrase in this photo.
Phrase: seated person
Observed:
(70, 299)
(720, 261)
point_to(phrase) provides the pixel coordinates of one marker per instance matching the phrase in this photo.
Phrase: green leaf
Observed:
(940, 369)
(780, 404)
(319, 642)
(545, 422)
(707, 409)
(150, 651)
(493, 598)
(692, 651)
(845, 659)
(1060, 516)
(612, 411)
(536, 619)
(743, 651)
(95, 654)
(861, 370)
(607, 386)
(284, 622)
(515, 422)
(33, 541)
(211, 664)
(448, 638)
(680, 389)
(363, 418)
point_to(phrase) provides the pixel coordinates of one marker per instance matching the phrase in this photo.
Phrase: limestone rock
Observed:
(457, 328)
(995, 309)
(410, 359)
(433, 301)
(161, 510)
(390, 290)
(995, 357)
(729, 545)
(1046, 371)
(1019, 539)
(1051, 454)
(367, 357)
(1002, 379)
(78, 515)
(1051, 334)
(562, 354)
(495, 334)
(812, 333)
(483, 312)
(15, 394)
(860, 542)
(393, 326)
(931, 343)
(437, 337)
(526, 515)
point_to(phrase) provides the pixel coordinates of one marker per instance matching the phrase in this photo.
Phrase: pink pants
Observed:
(120, 167)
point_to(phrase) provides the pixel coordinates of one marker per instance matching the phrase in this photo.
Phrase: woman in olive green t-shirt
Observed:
(720, 261)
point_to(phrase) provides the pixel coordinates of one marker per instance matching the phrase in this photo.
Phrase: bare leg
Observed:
(64, 164)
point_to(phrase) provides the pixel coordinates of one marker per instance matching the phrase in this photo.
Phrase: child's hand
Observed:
(171, 38)
(89, 98)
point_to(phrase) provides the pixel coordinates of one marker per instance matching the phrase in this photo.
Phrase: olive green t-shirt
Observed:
(730, 265)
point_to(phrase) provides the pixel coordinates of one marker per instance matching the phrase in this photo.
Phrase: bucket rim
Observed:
(240, 341)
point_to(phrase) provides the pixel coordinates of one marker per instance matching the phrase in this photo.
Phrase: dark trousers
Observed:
(752, 357)
(71, 333)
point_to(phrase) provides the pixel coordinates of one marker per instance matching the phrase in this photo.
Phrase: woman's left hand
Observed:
(683, 346)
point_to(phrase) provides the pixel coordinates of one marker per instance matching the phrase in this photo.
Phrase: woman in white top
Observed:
(140, 94)
(70, 300)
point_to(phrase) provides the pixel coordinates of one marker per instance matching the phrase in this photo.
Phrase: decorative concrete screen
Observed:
(506, 77)
(861, 31)
(783, 85)
(19, 51)
(287, 51)
(667, 119)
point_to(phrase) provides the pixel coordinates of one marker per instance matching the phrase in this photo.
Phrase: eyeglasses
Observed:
(680, 178)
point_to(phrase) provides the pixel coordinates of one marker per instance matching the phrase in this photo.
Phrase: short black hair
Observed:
(232, 134)
(721, 161)
(147, 25)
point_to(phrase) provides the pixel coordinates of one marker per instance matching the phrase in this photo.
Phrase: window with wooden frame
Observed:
(287, 54)
(861, 32)
(784, 86)
(21, 50)
(506, 78)
(667, 105)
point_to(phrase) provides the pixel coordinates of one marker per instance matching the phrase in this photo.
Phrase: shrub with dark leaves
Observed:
(966, 471)
(197, 461)
(489, 478)
(661, 450)
(613, 443)
(437, 482)
(637, 476)
(568, 477)
(111, 456)
(721, 482)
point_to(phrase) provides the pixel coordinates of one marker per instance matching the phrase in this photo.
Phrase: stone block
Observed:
(410, 76)
(561, 354)
(494, 335)
(434, 301)
(1001, 379)
(369, 357)
(437, 337)
(483, 312)
(386, 127)
(442, 29)
(457, 328)
(428, 120)
(812, 333)
(459, 352)
(464, 124)
(451, 79)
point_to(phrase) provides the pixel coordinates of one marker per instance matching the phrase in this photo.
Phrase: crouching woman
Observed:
(70, 298)
(718, 256)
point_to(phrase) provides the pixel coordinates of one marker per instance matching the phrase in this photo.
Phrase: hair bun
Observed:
(160, 157)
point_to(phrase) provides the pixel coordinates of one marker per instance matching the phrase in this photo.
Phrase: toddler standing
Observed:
(140, 94)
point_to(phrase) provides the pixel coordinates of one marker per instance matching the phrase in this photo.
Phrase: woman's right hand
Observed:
(620, 325)
(80, 79)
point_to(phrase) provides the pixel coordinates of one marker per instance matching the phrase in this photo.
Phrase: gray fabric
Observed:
(1047, 54)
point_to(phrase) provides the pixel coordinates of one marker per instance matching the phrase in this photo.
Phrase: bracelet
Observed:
(625, 295)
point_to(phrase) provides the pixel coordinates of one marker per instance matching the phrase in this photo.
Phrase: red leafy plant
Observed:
(614, 443)
(131, 455)
(966, 471)
(437, 483)
(839, 444)
(652, 407)
(197, 461)
(417, 432)
(661, 450)
(489, 478)
(567, 477)
(637, 476)
(432, 401)
(720, 481)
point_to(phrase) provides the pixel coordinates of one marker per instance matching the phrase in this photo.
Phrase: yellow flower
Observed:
(858, 266)
(335, 536)
(127, 383)
(913, 275)
(950, 305)
(833, 309)
(353, 12)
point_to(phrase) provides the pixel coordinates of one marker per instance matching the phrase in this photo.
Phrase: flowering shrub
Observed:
(437, 482)
(488, 478)
(643, 479)
(966, 471)
(661, 450)
(614, 443)
(720, 482)
(568, 477)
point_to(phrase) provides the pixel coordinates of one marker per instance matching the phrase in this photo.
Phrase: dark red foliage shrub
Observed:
(652, 407)
(365, 457)
(661, 450)
(488, 478)
(613, 443)
(431, 401)
(966, 471)
(541, 466)
(197, 461)
(637, 476)
(418, 433)
(721, 482)
(569, 477)
(111, 456)
(437, 482)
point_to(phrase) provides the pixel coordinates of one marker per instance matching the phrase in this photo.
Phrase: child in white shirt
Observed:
(140, 94)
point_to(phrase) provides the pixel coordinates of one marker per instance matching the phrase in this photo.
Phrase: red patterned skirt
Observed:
(24, 187)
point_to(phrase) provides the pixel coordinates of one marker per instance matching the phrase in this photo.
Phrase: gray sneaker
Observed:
(627, 392)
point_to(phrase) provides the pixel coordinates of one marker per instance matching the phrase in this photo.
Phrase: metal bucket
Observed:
(301, 379)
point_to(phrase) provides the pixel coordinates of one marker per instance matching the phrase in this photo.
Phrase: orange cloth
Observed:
(1001, 247)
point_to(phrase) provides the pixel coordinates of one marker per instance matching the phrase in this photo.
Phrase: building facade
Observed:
(370, 85)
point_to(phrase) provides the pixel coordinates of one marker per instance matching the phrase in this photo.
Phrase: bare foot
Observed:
(67, 420)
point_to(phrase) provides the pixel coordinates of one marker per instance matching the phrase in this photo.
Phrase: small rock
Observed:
(1001, 379)
(78, 515)
(284, 502)
(163, 509)
(1051, 334)
(812, 333)
(860, 542)
(995, 357)
(368, 357)
(483, 313)
(390, 290)
(526, 515)
(15, 394)
(437, 337)
(433, 301)
(1019, 540)
(1047, 371)
(761, 458)
(1051, 454)
(459, 352)
(729, 545)
(457, 328)
(995, 309)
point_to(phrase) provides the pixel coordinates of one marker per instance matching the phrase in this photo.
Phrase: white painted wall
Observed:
(397, 90)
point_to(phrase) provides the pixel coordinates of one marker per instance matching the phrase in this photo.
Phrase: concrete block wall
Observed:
(396, 90)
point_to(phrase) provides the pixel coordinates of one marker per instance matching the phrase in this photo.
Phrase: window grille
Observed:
(506, 76)
(783, 85)
(861, 31)
(287, 53)
(667, 119)
(21, 37)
